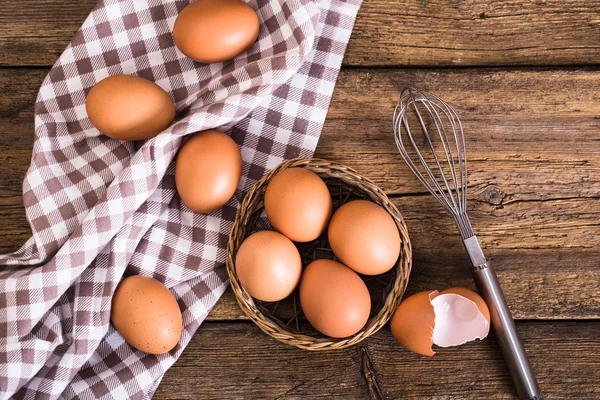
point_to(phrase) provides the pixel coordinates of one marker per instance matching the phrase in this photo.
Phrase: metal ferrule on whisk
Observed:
(439, 161)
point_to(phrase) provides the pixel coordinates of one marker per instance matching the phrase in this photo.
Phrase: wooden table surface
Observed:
(524, 77)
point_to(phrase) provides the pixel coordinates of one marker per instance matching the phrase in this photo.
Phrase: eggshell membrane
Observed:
(128, 107)
(268, 266)
(298, 204)
(413, 322)
(207, 171)
(457, 320)
(335, 300)
(473, 296)
(364, 237)
(146, 314)
(212, 31)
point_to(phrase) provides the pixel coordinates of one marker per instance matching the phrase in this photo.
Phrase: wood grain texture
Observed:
(475, 32)
(534, 151)
(387, 32)
(238, 361)
(535, 185)
(35, 33)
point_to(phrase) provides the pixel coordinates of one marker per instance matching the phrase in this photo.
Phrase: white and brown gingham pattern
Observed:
(100, 208)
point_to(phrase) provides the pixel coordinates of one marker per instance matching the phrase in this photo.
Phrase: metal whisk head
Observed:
(430, 138)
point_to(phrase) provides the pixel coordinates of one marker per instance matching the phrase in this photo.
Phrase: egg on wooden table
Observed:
(146, 314)
(207, 171)
(128, 107)
(268, 266)
(298, 204)
(212, 31)
(364, 237)
(335, 300)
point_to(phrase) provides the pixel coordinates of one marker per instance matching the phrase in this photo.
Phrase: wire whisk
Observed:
(430, 138)
(441, 122)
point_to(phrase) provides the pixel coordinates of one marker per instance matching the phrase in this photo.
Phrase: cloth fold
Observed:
(100, 208)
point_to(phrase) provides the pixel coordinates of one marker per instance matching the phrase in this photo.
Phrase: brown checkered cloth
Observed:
(100, 208)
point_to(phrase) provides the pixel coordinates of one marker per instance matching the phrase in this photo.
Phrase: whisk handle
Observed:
(506, 333)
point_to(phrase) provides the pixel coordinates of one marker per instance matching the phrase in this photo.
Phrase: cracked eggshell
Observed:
(413, 322)
(450, 318)
(473, 296)
(458, 320)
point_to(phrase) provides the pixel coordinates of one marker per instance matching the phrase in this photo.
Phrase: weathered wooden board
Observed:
(35, 33)
(387, 32)
(535, 183)
(534, 151)
(475, 32)
(238, 361)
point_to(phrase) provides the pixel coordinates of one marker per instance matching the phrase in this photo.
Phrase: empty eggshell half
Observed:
(450, 318)
(457, 320)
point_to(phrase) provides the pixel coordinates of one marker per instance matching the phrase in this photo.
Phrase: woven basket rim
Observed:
(253, 202)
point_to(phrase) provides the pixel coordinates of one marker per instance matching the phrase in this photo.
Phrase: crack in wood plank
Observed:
(369, 374)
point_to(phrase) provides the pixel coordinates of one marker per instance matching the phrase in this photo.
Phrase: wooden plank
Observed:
(19, 88)
(36, 33)
(387, 32)
(475, 33)
(238, 361)
(535, 182)
(537, 128)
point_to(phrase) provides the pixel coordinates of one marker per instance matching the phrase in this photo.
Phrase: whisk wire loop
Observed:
(439, 127)
(436, 122)
(443, 199)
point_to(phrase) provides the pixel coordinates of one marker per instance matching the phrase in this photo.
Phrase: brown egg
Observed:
(413, 322)
(128, 107)
(207, 171)
(212, 31)
(364, 237)
(334, 298)
(146, 314)
(298, 204)
(268, 266)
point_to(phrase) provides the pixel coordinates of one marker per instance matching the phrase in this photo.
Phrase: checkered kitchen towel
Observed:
(101, 208)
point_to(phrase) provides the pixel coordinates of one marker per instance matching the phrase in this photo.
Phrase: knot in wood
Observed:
(493, 195)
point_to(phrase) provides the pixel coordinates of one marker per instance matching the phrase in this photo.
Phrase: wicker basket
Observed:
(348, 184)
